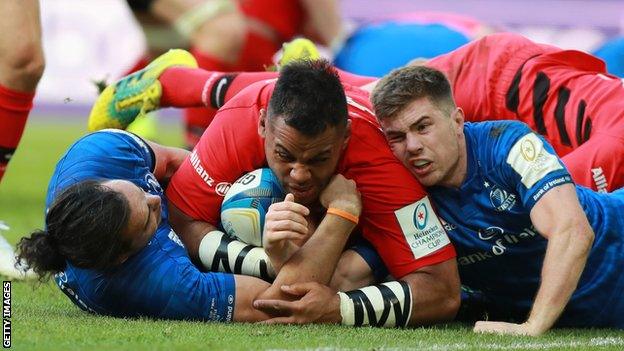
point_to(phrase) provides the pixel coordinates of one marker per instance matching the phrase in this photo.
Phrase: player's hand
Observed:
(342, 193)
(285, 229)
(506, 328)
(317, 303)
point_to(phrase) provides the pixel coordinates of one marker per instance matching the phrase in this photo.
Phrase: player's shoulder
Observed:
(495, 133)
(257, 93)
(492, 142)
(109, 142)
(106, 154)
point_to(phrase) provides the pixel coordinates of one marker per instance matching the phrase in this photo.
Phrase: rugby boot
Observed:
(136, 94)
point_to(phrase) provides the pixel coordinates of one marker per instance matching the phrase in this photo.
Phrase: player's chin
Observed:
(428, 179)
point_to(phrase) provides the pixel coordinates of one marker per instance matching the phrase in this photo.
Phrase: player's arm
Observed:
(191, 231)
(426, 296)
(558, 216)
(316, 260)
(546, 189)
(167, 160)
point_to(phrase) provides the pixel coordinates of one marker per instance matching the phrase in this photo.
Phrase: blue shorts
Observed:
(366, 250)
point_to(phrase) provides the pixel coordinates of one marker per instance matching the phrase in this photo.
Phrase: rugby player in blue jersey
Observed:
(530, 240)
(108, 238)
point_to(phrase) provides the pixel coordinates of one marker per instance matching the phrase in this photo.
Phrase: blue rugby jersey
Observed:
(500, 253)
(159, 281)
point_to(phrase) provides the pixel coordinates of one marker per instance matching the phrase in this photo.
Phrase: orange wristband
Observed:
(344, 214)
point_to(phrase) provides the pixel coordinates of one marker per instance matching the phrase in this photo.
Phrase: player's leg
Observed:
(170, 81)
(21, 67)
(217, 31)
(567, 96)
(598, 163)
(483, 74)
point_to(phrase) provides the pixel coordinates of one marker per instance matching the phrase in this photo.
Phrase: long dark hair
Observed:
(83, 227)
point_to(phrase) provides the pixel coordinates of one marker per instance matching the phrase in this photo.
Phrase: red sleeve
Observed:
(229, 148)
(392, 199)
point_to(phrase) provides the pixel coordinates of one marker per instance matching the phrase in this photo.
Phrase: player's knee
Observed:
(222, 36)
(26, 64)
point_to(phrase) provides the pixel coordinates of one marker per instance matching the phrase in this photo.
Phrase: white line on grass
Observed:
(519, 345)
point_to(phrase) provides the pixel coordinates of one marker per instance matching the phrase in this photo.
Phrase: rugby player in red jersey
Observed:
(307, 128)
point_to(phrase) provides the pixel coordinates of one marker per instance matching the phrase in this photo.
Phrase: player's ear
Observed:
(347, 134)
(458, 118)
(262, 123)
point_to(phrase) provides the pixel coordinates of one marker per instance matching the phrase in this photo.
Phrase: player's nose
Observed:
(153, 200)
(300, 173)
(413, 143)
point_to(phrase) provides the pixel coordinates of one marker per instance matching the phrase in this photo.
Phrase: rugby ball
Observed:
(246, 203)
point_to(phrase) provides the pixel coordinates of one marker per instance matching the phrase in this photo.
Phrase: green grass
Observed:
(44, 319)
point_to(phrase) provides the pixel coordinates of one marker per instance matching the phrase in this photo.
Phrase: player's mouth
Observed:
(421, 167)
(302, 194)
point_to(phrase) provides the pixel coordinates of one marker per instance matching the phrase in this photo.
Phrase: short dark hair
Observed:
(84, 227)
(309, 96)
(402, 86)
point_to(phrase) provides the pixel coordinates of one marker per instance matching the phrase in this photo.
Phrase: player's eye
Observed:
(318, 160)
(423, 127)
(396, 139)
(283, 156)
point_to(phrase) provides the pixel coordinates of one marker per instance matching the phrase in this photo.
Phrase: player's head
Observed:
(306, 127)
(422, 124)
(92, 225)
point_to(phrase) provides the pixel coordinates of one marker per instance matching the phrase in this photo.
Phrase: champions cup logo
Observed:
(528, 150)
(501, 200)
(420, 216)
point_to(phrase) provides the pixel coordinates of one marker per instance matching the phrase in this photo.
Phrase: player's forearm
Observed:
(565, 259)
(190, 231)
(279, 257)
(168, 160)
(435, 293)
(316, 259)
(427, 296)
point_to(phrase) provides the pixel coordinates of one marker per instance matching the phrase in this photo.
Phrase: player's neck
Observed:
(457, 174)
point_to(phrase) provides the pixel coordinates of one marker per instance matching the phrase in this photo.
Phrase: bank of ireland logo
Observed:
(420, 216)
(501, 200)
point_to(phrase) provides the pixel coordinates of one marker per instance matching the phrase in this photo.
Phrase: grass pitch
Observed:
(44, 319)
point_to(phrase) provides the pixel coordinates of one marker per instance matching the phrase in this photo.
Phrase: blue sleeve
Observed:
(107, 154)
(160, 282)
(528, 163)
